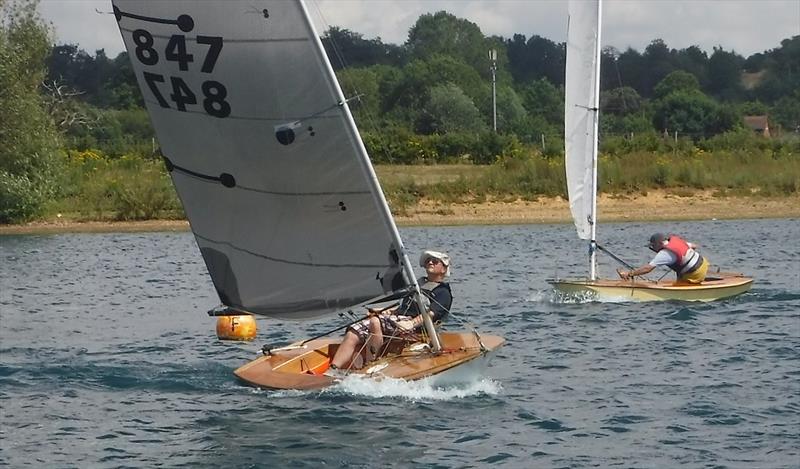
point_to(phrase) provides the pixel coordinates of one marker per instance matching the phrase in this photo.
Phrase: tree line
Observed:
(438, 82)
(427, 100)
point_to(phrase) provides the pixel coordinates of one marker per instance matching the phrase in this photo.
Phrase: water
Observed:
(107, 359)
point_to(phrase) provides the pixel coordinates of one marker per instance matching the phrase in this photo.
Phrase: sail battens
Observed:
(288, 261)
(304, 194)
(311, 304)
(218, 180)
(236, 41)
(278, 120)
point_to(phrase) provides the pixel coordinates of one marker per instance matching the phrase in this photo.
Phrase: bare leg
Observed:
(375, 340)
(346, 351)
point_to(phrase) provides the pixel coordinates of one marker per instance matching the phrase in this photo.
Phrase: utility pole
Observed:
(493, 69)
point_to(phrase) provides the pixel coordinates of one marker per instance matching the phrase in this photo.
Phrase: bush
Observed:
(21, 199)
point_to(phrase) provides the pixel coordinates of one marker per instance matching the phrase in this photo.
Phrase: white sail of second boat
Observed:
(582, 90)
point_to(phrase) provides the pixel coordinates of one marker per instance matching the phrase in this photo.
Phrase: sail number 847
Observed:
(214, 92)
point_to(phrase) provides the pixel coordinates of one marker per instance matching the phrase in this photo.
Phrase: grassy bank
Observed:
(97, 188)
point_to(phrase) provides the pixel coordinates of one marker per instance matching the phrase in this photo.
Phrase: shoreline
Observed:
(656, 206)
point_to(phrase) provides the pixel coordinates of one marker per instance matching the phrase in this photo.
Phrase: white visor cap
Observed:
(436, 255)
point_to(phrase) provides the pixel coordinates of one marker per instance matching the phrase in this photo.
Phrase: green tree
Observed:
(695, 61)
(346, 48)
(28, 140)
(412, 91)
(361, 86)
(630, 67)
(623, 112)
(535, 58)
(753, 108)
(658, 63)
(676, 81)
(691, 113)
(724, 74)
(786, 112)
(621, 101)
(444, 34)
(511, 114)
(541, 98)
(121, 83)
(782, 71)
(450, 110)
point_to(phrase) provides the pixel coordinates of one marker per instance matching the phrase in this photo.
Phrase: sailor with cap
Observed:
(401, 319)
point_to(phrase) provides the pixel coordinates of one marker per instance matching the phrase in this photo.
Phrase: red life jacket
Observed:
(688, 259)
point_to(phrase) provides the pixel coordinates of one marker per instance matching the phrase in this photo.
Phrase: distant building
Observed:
(758, 124)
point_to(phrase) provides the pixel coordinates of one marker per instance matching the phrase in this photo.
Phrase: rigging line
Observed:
(335, 330)
(371, 119)
(456, 317)
(336, 49)
(613, 256)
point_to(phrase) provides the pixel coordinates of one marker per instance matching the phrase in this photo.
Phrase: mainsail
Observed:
(582, 89)
(273, 176)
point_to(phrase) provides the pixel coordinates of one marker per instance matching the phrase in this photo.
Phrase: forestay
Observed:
(580, 116)
(272, 174)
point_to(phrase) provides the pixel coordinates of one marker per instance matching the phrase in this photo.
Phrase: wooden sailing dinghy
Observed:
(714, 287)
(303, 367)
(581, 113)
(274, 178)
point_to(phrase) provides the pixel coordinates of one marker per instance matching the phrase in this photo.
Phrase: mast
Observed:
(595, 107)
(372, 179)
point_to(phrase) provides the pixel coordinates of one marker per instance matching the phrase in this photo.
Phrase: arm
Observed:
(645, 269)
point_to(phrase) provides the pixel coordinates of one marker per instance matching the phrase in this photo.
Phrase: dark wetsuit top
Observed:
(441, 299)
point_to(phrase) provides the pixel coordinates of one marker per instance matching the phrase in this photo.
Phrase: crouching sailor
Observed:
(676, 253)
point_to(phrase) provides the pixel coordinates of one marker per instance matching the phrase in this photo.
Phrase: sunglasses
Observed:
(434, 260)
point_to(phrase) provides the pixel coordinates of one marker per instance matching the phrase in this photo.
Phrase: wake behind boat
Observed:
(581, 118)
(276, 183)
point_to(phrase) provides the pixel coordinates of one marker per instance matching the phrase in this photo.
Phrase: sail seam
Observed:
(241, 41)
(215, 180)
(250, 118)
(286, 261)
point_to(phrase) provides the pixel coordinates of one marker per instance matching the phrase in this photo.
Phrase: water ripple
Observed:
(113, 362)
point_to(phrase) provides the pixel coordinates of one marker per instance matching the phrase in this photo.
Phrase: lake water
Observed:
(107, 359)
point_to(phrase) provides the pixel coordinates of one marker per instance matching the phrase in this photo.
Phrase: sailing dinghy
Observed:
(275, 180)
(581, 113)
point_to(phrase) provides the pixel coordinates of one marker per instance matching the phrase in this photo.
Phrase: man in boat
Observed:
(364, 340)
(676, 253)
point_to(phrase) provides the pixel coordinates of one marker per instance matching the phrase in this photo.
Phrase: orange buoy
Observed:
(242, 327)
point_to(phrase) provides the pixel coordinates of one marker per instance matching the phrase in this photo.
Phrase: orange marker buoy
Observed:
(242, 327)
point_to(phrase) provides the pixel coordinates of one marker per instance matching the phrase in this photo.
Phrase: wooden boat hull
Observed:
(717, 286)
(301, 368)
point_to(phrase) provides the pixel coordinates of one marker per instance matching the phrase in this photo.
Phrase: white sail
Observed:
(272, 174)
(582, 85)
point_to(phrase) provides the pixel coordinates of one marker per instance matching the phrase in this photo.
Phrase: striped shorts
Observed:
(388, 326)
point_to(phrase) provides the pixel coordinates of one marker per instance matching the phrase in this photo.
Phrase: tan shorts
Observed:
(696, 276)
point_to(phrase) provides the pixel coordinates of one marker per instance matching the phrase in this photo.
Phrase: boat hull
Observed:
(718, 286)
(302, 367)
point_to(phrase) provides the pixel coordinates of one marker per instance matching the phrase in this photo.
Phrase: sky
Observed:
(743, 26)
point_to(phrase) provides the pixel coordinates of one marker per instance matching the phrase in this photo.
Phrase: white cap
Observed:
(442, 256)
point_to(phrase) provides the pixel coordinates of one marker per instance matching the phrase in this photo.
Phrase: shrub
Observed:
(21, 199)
